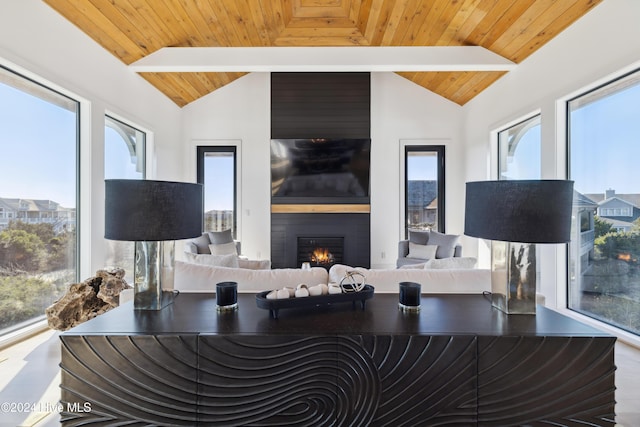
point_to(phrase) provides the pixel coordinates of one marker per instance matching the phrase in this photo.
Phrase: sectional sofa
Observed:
(192, 277)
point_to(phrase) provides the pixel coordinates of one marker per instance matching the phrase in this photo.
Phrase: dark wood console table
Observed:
(457, 362)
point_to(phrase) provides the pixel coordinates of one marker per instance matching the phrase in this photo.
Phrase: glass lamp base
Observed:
(513, 277)
(153, 275)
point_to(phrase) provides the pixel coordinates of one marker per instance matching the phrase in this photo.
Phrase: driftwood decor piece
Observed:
(86, 300)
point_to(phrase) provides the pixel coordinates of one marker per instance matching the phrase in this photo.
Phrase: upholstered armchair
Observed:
(424, 245)
(217, 248)
(213, 243)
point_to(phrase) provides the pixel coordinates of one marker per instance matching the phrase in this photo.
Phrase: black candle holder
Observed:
(409, 296)
(226, 296)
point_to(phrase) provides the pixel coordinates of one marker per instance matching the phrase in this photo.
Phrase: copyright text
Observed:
(28, 407)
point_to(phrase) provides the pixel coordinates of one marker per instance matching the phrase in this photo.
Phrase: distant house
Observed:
(33, 211)
(422, 204)
(218, 220)
(583, 234)
(620, 210)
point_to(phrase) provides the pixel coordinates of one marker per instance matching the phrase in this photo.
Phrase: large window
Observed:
(124, 158)
(424, 187)
(604, 149)
(38, 198)
(519, 150)
(217, 173)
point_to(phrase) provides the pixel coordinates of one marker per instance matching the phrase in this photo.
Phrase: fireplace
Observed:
(294, 236)
(320, 251)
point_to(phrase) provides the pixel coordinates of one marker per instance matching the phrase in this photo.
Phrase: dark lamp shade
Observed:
(525, 211)
(146, 210)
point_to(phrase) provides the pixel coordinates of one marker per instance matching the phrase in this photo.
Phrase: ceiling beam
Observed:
(322, 59)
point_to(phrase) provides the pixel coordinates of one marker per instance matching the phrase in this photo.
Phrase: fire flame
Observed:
(321, 256)
(624, 257)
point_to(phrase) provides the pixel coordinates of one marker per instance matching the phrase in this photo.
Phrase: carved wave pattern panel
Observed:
(126, 380)
(544, 381)
(426, 380)
(337, 381)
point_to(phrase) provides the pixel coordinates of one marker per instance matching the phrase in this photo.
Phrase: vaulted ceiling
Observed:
(133, 29)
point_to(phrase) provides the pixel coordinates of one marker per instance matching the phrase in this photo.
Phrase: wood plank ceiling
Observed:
(132, 29)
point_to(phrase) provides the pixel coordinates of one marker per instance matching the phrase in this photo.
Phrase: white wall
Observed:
(400, 110)
(603, 42)
(238, 111)
(37, 41)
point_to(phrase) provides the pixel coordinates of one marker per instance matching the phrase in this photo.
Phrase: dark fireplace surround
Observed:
(289, 229)
(320, 105)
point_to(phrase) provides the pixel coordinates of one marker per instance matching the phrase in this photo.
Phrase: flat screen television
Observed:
(320, 170)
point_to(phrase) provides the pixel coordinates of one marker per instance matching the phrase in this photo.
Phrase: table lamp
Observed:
(153, 214)
(515, 215)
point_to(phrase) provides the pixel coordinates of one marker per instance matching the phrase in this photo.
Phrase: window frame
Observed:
(229, 146)
(83, 205)
(145, 149)
(564, 132)
(439, 147)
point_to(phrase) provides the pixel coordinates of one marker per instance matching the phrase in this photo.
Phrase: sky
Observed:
(422, 167)
(117, 160)
(526, 162)
(37, 151)
(218, 169)
(610, 131)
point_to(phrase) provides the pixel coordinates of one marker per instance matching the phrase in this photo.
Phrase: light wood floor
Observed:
(627, 385)
(29, 373)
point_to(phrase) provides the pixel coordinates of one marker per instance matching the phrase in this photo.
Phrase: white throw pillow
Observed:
(451, 263)
(422, 251)
(223, 248)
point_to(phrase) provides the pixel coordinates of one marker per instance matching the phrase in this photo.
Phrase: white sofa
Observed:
(191, 277)
(443, 281)
(231, 260)
(203, 278)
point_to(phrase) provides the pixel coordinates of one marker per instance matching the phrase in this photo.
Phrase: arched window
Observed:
(519, 150)
(124, 158)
